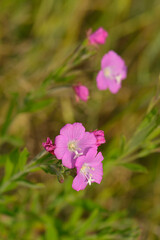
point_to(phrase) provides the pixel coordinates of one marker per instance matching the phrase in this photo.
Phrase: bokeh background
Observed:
(35, 39)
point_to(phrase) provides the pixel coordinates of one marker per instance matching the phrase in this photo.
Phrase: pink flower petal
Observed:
(68, 160)
(90, 155)
(112, 59)
(79, 162)
(102, 81)
(88, 141)
(61, 146)
(78, 130)
(67, 131)
(97, 173)
(79, 182)
(92, 159)
(114, 86)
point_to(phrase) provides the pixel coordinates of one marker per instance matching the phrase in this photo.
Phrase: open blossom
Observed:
(81, 92)
(99, 134)
(97, 37)
(89, 169)
(49, 146)
(113, 71)
(73, 142)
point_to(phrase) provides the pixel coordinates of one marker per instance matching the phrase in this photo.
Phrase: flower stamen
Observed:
(118, 78)
(72, 146)
(85, 170)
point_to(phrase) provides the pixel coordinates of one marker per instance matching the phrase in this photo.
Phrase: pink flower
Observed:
(89, 169)
(97, 37)
(73, 142)
(81, 92)
(113, 71)
(99, 134)
(49, 146)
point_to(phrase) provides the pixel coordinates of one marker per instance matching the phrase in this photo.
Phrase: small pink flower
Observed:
(89, 169)
(73, 142)
(99, 134)
(82, 92)
(49, 146)
(113, 71)
(97, 37)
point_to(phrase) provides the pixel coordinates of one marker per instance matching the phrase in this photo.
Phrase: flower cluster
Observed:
(78, 149)
(75, 147)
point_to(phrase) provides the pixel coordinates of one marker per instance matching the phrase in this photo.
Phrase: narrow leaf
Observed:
(8, 169)
(23, 159)
(135, 167)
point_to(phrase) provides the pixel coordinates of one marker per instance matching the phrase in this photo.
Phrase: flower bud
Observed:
(81, 92)
(97, 37)
(49, 146)
(99, 134)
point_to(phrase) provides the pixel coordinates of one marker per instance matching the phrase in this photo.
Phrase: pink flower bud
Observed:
(97, 37)
(49, 146)
(81, 92)
(99, 134)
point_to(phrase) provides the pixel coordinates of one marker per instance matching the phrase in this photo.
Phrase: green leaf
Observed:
(14, 140)
(8, 169)
(64, 78)
(51, 231)
(23, 159)
(8, 118)
(135, 167)
(122, 144)
(88, 224)
(148, 125)
(3, 159)
(33, 106)
(14, 157)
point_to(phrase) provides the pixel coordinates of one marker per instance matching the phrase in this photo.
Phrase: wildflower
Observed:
(97, 37)
(49, 146)
(81, 92)
(73, 142)
(99, 134)
(113, 71)
(89, 169)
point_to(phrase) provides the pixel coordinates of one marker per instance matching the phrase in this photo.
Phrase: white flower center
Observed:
(85, 170)
(72, 146)
(107, 72)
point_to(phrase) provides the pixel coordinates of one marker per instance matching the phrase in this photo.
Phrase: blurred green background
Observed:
(35, 39)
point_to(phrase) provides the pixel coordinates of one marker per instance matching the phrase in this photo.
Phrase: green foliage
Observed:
(33, 106)
(135, 167)
(9, 115)
(15, 169)
(148, 125)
